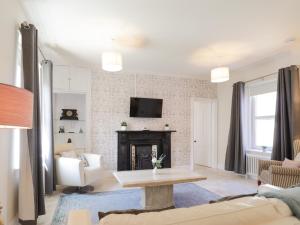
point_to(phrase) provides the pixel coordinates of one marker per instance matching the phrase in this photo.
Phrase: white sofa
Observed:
(72, 172)
(242, 211)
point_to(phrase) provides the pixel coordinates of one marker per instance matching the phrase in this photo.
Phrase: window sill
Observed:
(258, 152)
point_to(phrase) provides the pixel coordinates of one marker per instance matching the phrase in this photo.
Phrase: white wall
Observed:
(11, 15)
(111, 103)
(287, 57)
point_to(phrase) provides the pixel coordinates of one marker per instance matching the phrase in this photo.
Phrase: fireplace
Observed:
(141, 156)
(136, 148)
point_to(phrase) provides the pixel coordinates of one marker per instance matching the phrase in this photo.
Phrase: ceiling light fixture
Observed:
(219, 74)
(112, 61)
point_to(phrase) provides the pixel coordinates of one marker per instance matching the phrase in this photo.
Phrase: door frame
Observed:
(214, 130)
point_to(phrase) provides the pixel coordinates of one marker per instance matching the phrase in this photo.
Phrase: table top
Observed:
(146, 178)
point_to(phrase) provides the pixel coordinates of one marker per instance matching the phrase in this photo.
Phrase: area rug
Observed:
(185, 195)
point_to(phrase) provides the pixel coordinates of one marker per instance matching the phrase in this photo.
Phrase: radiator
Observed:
(252, 163)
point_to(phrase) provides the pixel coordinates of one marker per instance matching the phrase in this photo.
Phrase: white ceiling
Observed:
(172, 37)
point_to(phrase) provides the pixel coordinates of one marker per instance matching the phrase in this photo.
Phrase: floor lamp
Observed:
(16, 107)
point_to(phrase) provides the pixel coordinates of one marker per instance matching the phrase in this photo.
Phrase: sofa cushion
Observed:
(64, 148)
(290, 163)
(243, 211)
(291, 196)
(69, 154)
(73, 154)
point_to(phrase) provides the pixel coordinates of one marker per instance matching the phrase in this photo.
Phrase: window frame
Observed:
(255, 88)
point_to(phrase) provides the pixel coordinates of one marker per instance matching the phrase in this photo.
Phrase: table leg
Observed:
(157, 197)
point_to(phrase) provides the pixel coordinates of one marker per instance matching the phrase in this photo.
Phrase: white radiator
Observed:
(252, 162)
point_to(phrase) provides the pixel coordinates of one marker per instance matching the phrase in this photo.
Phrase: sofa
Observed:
(241, 211)
(72, 171)
(272, 172)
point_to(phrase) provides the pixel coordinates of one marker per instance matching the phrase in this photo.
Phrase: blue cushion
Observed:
(291, 196)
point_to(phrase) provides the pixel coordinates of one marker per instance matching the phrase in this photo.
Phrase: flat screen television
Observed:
(146, 107)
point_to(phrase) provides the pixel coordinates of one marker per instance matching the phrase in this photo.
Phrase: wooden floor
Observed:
(218, 181)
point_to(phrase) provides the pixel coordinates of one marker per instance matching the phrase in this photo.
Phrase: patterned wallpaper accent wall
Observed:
(111, 103)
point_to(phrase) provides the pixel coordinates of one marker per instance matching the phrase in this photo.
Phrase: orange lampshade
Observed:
(16, 107)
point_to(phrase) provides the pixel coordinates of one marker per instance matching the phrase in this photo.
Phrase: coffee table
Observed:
(157, 188)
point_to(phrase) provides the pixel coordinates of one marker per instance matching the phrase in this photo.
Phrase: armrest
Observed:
(284, 171)
(79, 217)
(265, 164)
(94, 160)
(69, 171)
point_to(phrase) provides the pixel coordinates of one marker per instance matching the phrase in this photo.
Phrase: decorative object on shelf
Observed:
(167, 127)
(69, 140)
(69, 114)
(80, 131)
(16, 107)
(123, 125)
(220, 74)
(157, 163)
(61, 129)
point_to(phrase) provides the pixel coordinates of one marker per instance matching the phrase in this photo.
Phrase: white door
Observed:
(203, 128)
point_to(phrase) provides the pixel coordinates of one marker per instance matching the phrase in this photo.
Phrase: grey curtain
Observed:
(235, 153)
(287, 122)
(35, 176)
(45, 78)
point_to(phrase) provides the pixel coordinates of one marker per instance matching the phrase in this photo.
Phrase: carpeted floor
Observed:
(185, 195)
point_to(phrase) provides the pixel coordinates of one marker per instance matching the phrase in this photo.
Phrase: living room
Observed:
(121, 112)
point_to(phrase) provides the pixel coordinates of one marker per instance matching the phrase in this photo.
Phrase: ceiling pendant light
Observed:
(112, 61)
(219, 74)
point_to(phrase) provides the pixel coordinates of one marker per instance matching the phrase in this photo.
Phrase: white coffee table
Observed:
(157, 188)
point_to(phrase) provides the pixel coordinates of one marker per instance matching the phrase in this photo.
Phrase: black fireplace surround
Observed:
(136, 148)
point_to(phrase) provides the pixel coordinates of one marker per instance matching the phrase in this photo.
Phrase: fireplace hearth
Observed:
(136, 148)
(141, 156)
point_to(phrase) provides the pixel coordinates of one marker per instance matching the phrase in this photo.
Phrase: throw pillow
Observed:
(69, 154)
(290, 163)
(297, 158)
(85, 162)
(291, 196)
(101, 215)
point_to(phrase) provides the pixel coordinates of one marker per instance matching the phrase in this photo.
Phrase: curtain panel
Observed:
(45, 78)
(287, 116)
(235, 159)
(31, 193)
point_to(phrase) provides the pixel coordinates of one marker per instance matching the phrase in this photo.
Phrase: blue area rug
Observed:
(185, 195)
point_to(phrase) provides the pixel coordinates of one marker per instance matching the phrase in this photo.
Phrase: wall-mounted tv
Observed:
(146, 107)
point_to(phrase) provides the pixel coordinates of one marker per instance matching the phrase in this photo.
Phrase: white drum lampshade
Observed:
(219, 74)
(112, 61)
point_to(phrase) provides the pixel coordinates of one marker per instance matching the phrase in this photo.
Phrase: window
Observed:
(262, 121)
(261, 115)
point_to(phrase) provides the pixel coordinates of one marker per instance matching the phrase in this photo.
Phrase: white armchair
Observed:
(72, 171)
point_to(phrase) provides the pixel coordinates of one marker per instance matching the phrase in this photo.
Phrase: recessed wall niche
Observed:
(64, 129)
